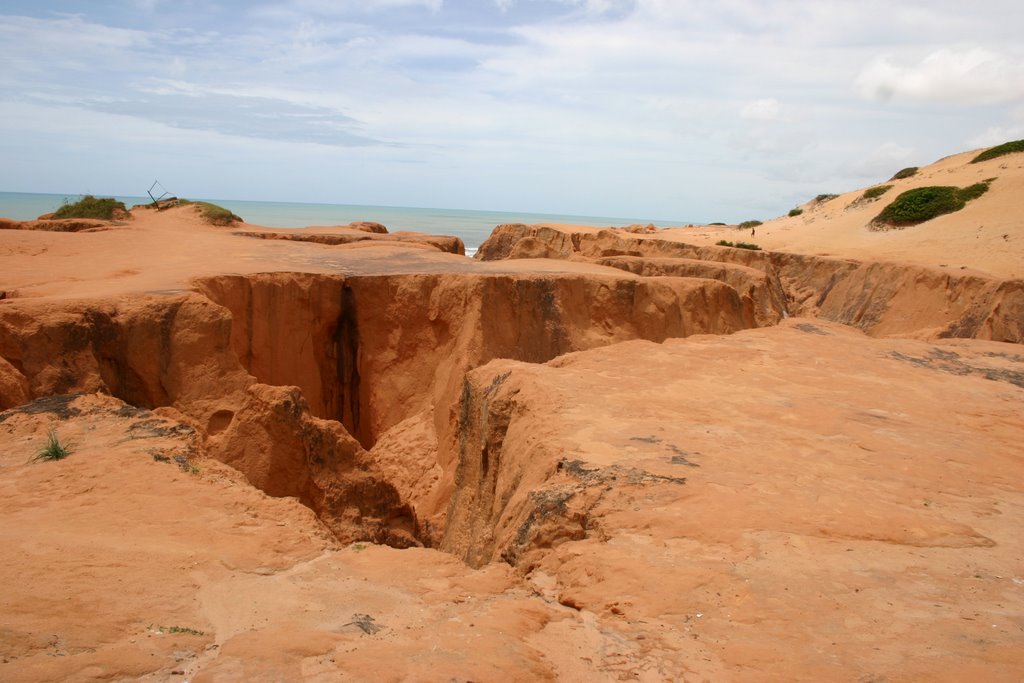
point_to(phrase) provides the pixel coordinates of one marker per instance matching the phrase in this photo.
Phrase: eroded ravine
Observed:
(343, 392)
(350, 394)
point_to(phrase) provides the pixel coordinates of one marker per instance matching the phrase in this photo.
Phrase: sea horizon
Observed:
(472, 226)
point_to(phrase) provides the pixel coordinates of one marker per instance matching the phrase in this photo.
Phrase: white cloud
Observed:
(969, 76)
(761, 110)
(882, 161)
(997, 135)
(330, 7)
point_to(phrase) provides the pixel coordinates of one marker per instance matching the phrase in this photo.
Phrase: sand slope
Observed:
(986, 236)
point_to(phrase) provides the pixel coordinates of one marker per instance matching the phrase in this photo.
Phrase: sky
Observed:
(686, 110)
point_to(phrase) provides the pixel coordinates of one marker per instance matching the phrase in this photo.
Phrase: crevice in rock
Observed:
(346, 353)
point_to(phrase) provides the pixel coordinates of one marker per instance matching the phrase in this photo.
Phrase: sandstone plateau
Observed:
(585, 455)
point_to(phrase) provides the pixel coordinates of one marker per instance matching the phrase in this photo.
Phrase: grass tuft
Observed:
(907, 172)
(876, 192)
(824, 198)
(53, 450)
(999, 150)
(103, 208)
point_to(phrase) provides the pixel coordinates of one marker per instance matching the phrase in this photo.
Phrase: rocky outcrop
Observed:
(14, 389)
(368, 226)
(175, 352)
(879, 298)
(451, 245)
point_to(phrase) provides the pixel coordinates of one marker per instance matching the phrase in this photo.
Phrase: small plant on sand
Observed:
(824, 198)
(53, 450)
(924, 203)
(213, 214)
(876, 192)
(746, 225)
(103, 208)
(999, 150)
(795, 212)
(177, 629)
(907, 172)
(738, 245)
(716, 223)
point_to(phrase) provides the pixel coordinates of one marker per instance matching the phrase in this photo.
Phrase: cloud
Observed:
(972, 76)
(187, 106)
(334, 7)
(761, 110)
(882, 161)
(997, 135)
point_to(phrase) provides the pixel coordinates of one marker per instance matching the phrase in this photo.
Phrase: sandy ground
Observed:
(122, 564)
(798, 502)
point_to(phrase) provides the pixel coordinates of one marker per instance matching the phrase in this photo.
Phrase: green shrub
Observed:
(974, 191)
(213, 214)
(750, 224)
(907, 172)
(876, 192)
(88, 206)
(824, 197)
(795, 212)
(53, 450)
(924, 203)
(738, 245)
(716, 223)
(1000, 150)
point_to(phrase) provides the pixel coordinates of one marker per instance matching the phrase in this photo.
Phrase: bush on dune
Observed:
(102, 208)
(924, 203)
(907, 172)
(999, 150)
(749, 224)
(213, 214)
(876, 192)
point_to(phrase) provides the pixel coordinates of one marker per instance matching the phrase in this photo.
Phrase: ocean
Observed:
(473, 227)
